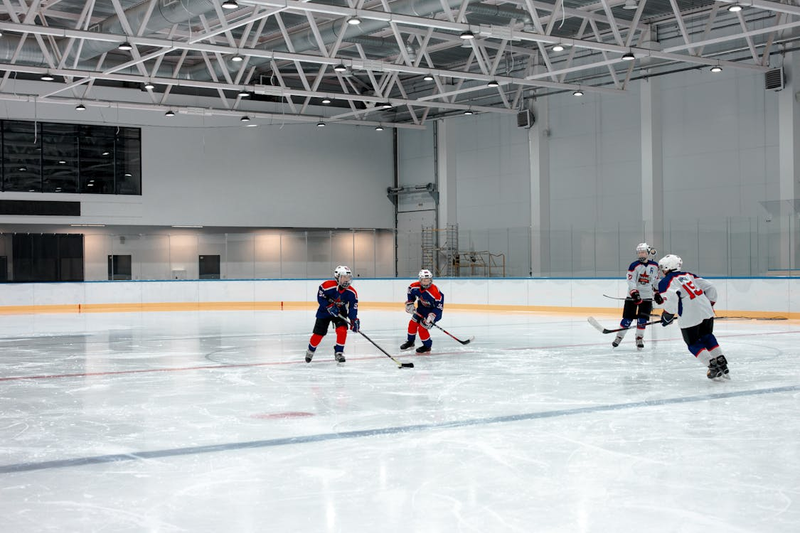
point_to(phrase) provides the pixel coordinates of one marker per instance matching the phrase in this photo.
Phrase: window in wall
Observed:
(70, 158)
(22, 156)
(60, 158)
(47, 257)
(209, 266)
(97, 159)
(128, 161)
(119, 267)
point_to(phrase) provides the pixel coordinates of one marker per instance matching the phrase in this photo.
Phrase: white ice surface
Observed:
(604, 441)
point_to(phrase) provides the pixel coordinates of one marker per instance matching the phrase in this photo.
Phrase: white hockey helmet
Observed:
(670, 262)
(644, 251)
(425, 274)
(343, 276)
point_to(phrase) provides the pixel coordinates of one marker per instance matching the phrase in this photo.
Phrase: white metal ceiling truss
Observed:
(369, 62)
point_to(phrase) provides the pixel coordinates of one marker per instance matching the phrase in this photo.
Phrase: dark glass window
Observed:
(22, 156)
(119, 267)
(97, 159)
(70, 158)
(209, 266)
(60, 157)
(128, 165)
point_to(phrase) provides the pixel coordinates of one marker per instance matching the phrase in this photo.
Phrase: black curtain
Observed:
(52, 257)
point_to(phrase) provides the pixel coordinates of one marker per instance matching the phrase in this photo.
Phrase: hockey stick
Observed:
(399, 364)
(627, 298)
(464, 343)
(593, 321)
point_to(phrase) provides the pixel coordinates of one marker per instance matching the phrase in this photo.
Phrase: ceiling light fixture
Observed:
(467, 35)
(326, 100)
(386, 105)
(126, 46)
(230, 4)
(80, 107)
(578, 93)
(735, 8)
(428, 77)
(493, 83)
(354, 21)
(558, 48)
(245, 119)
(378, 128)
(340, 68)
(47, 77)
(628, 56)
(149, 86)
(243, 93)
(716, 68)
(321, 124)
(237, 58)
(469, 112)
(106, 153)
(630, 5)
(169, 113)
(62, 162)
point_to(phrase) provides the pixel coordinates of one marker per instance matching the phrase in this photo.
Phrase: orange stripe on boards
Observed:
(310, 306)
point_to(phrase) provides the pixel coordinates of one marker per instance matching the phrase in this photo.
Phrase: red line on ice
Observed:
(301, 362)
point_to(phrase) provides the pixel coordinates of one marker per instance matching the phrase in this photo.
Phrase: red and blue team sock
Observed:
(341, 337)
(412, 330)
(314, 342)
(425, 337)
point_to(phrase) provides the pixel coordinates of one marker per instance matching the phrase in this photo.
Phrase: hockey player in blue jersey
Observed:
(642, 290)
(692, 299)
(428, 311)
(336, 297)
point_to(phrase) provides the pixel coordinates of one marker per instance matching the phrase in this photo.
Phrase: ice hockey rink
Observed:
(212, 421)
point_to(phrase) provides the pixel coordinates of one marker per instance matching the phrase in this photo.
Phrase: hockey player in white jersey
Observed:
(642, 290)
(692, 298)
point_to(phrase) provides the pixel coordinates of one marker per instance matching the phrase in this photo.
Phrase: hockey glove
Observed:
(636, 297)
(666, 318)
(657, 298)
(428, 322)
(333, 310)
(355, 325)
(410, 308)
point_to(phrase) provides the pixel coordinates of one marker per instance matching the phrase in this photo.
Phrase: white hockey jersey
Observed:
(687, 296)
(643, 277)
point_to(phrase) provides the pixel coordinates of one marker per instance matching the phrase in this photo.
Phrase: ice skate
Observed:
(339, 357)
(424, 349)
(616, 342)
(309, 355)
(406, 345)
(715, 369)
(722, 365)
(639, 343)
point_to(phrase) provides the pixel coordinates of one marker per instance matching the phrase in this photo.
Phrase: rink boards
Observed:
(777, 297)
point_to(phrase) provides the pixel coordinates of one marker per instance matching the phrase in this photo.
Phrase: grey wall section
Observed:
(212, 171)
(493, 170)
(299, 175)
(720, 162)
(595, 160)
(720, 136)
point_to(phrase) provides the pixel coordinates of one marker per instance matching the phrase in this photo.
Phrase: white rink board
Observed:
(772, 295)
